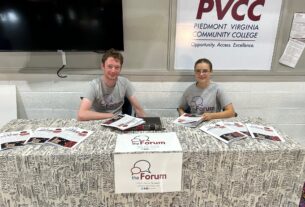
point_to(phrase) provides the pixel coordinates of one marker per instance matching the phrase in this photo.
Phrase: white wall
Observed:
(8, 105)
(279, 103)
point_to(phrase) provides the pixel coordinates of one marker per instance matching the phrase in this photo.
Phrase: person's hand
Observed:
(207, 116)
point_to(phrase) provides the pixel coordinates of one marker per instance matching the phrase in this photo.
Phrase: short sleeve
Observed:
(90, 91)
(183, 102)
(222, 98)
(130, 90)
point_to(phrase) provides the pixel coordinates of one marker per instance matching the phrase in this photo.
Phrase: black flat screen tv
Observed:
(69, 25)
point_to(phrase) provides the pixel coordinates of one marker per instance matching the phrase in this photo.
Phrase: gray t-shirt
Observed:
(105, 99)
(210, 99)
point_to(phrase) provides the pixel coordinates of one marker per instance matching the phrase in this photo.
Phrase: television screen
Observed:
(70, 25)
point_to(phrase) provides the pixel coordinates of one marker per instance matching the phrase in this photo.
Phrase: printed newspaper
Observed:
(264, 132)
(123, 122)
(70, 137)
(223, 132)
(188, 120)
(10, 140)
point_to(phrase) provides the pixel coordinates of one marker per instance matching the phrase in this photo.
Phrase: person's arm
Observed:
(136, 105)
(182, 105)
(227, 112)
(180, 111)
(85, 113)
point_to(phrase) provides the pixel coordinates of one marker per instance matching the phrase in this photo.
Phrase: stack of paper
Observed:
(123, 122)
(188, 120)
(10, 140)
(223, 132)
(264, 132)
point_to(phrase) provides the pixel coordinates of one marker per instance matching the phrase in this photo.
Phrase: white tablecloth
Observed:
(246, 173)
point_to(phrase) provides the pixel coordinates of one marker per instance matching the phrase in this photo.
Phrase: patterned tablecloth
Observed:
(246, 173)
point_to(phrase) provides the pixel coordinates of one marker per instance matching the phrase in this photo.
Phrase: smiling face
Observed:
(111, 68)
(202, 73)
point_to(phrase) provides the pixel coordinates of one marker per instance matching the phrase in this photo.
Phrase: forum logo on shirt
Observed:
(198, 105)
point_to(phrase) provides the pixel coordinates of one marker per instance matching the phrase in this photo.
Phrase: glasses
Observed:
(199, 71)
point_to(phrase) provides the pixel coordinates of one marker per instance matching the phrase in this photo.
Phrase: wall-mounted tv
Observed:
(69, 25)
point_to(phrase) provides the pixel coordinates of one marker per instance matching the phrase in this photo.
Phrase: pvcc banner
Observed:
(233, 34)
